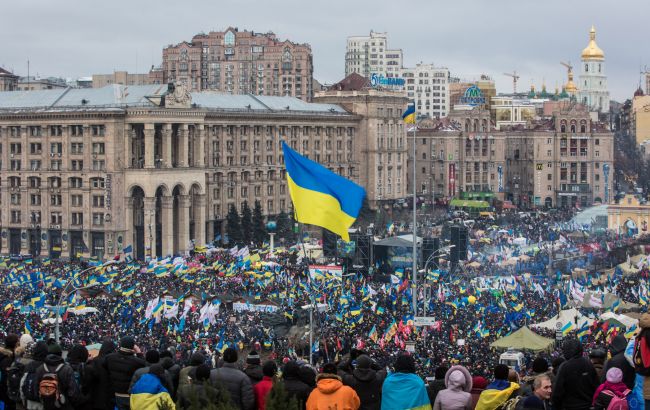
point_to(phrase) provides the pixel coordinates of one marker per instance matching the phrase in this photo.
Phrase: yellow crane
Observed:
(515, 77)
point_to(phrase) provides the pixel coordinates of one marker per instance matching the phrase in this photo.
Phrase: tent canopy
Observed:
(566, 316)
(524, 339)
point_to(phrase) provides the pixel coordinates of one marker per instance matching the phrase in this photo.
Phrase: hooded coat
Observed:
(617, 349)
(294, 385)
(121, 366)
(457, 395)
(32, 363)
(68, 387)
(367, 383)
(96, 378)
(576, 379)
(330, 393)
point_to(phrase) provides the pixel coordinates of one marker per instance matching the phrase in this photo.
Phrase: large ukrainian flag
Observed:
(409, 115)
(148, 393)
(321, 197)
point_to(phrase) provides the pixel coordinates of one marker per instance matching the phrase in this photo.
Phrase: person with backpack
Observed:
(576, 379)
(6, 359)
(77, 358)
(366, 382)
(121, 366)
(612, 395)
(57, 387)
(28, 389)
(617, 350)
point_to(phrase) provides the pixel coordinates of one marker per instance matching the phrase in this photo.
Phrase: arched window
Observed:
(599, 68)
(563, 126)
(475, 125)
(586, 68)
(573, 128)
(467, 121)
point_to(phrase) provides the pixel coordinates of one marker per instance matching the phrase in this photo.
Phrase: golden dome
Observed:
(570, 87)
(592, 50)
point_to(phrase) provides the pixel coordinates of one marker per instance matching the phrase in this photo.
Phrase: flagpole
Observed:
(415, 230)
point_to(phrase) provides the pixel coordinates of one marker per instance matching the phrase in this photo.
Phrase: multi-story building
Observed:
(36, 84)
(241, 62)
(428, 87)
(380, 146)
(592, 84)
(91, 172)
(8, 80)
(122, 78)
(367, 55)
(562, 161)
(457, 89)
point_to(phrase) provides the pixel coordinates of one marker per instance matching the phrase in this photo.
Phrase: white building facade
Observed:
(428, 87)
(592, 85)
(367, 55)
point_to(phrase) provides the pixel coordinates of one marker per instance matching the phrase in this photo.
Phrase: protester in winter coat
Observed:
(100, 392)
(235, 381)
(172, 368)
(34, 359)
(597, 357)
(457, 395)
(330, 393)
(438, 383)
(541, 394)
(617, 351)
(200, 391)
(253, 367)
(479, 384)
(613, 386)
(6, 359)
(121, 366)
(644, 336)
(149, 392)
(187, 372)
(153, 357)
(540, 366)
(265, 385)
(366, 382)
(499, 391)
(576, 379)
(404, 389)
(77, 358)
(294, 386)
(68, 388)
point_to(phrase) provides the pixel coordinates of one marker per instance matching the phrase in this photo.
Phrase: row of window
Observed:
(76, 200)
(36, 148)
(55, 165)
(55, 182)
(56, 218)
(53, 130)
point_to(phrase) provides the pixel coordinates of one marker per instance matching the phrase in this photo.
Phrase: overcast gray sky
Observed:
(73, 38)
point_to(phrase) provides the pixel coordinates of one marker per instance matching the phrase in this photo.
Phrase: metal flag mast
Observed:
(414, 268)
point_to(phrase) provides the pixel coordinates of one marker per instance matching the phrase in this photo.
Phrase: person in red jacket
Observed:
(263, 388)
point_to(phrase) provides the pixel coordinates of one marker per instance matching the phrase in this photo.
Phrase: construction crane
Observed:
(515, 77)
(567, 65)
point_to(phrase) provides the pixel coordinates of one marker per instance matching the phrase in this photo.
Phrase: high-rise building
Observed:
(592, 84)
(367, 55)
(241, 62)
(428, 87)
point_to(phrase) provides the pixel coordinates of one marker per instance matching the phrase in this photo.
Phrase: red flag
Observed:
(11, 309)
(65, 316)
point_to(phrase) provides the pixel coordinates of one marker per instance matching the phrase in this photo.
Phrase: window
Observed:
(56, 218)
(56, 130)
(15, 217)
(35, 199)
(77, 165)
(549, 177)
(15, 165)
(597, 153)
(98, 218)
(97, 182)
(55, 200)
(99, 165)
(35, 165)
(77, 218)
(98, 148)
(98, 201)
(597, 141)
(75, 182)
(56, 148)
(76, 130)
(76, 200)
(77, 148)
(35, 148)
(15, 199)
(98, 130)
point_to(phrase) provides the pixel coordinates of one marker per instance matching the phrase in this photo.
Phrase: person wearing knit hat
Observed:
(253, 368)
(366, 382)
(613, 386)
(539, 367)
(570, 391)
(121, 366)
(234, 380)
(479, 383)
(404, 389)
(263, 388)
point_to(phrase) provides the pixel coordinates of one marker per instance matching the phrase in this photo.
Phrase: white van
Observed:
(513, 359)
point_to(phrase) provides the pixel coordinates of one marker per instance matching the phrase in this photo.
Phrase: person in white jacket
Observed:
(457, 395)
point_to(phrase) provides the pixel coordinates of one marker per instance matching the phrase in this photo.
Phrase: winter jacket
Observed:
(121, 366)
(402, 391)
(173, 370)
(32, 364)
(236, 383)
(330, 393)
(68, 388)
(96, 376)
(367, 384)
(202, 392)
(495, 394)
(294, 386)
(617, 349)
(261, 390)
(6, 359)
(576, 380)
(457, 395)
(166, 381)
(434, 387)
(185, 375)
(254, 372)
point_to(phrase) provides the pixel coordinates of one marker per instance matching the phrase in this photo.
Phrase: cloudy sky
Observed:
(73, 38)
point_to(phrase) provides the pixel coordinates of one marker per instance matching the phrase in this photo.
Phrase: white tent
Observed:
(565, 317)
(626, 320)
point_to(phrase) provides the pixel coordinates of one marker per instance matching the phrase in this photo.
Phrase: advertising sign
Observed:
(325, 272)
(380, 80)
(473, 96)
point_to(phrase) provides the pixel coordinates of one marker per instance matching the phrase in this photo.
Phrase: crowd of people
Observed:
(249, 302)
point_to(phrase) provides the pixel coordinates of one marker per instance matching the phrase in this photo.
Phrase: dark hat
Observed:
(78, 354)
(270, 368)
(197, 359)
(501, 372)
(598, 353)
(291, 369)
(152, 356)
(253, 358)
(405, 363)
(55, 350)
(39, 351)
(11, 341)
(127, 342)
(329, 368)
(202, 372)
(440, 373)
(230, 355)
(364, 362)
(540, 365)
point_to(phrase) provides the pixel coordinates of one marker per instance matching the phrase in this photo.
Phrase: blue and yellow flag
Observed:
(409, 115)
(321, 197)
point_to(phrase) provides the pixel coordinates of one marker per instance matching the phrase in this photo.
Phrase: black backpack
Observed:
(29, 385)
(14, 374)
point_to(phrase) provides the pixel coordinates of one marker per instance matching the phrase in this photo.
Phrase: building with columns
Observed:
(93, 171)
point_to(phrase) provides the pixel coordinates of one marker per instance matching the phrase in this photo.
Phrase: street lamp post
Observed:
(439, 252)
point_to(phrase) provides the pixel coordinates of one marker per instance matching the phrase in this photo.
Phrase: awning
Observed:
(467, 203)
